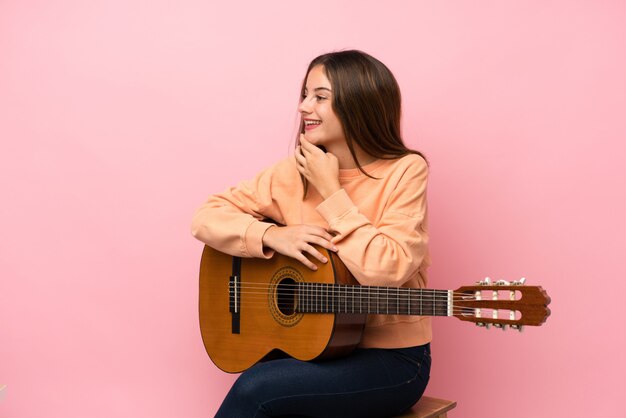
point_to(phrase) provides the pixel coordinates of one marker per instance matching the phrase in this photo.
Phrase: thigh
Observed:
(368, 383)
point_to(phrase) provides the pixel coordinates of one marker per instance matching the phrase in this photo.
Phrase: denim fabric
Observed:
(369, 383)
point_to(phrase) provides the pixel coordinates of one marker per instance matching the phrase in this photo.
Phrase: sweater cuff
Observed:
(336, 206)
(254, 240)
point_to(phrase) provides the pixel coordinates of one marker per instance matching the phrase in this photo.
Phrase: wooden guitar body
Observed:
(267, 324)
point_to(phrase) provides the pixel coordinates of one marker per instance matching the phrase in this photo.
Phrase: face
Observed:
(321, 125)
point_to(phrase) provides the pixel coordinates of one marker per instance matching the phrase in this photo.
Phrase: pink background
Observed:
(118, 118)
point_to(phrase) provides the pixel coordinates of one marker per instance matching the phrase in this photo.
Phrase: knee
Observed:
(246, 388)
(244, 399)
(253, 387)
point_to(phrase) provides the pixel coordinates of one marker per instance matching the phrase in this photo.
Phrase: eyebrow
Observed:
(320, 88)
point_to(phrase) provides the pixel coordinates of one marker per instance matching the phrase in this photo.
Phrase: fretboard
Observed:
(336, 298)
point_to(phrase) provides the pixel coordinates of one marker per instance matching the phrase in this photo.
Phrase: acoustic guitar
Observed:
(254, 309)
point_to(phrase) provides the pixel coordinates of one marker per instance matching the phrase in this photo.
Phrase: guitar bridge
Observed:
(234, 291)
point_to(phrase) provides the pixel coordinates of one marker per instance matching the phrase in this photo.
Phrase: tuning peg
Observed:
(485, 282)
(520, 282)
(517, 327)
(501, 326)
(502, 283)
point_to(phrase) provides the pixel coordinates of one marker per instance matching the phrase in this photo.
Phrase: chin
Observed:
(311, 138)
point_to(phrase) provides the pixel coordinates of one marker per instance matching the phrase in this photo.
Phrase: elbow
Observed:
(198, 228)
(396, 271)
(195, 229)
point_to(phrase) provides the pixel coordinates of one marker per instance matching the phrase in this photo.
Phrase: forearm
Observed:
(387, 254)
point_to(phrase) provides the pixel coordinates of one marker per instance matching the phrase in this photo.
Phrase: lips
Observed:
(311, 124)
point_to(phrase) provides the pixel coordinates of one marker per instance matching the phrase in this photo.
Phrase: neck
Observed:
(338, 298)
(345, 159)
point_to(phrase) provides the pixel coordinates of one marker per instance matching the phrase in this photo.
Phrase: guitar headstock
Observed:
(501, 304)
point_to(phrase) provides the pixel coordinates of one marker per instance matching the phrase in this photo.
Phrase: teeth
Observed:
(312, 122)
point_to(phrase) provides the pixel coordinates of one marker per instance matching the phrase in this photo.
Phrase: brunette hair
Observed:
(366, 99)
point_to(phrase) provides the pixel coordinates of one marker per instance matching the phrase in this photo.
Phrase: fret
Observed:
(338, 298)
(374, 291)
(361, 299)
(407, 299)
(398, 300)
(318, 299)
(352, 294)
(387, 298)
(316, 296)
(408, 305)
(302, 297)
(421, 300)
(434, 300)
(326, 298)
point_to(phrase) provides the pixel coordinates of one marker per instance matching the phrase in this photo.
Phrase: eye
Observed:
(320, 98)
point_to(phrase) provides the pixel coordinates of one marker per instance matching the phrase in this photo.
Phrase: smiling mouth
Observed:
(312, 122)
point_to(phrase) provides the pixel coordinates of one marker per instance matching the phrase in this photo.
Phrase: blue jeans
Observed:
(370, 382)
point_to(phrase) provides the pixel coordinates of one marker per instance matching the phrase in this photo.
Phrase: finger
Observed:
(307, 147)
(323, 242)
(301, 258)
(320, 232)
(300, 158)
(304, 150)
(313, 251)
(301, 168)
(302, 171)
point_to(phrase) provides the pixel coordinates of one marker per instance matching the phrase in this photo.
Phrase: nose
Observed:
(305, 106)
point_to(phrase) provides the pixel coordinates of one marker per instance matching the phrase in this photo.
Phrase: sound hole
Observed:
(286, 296)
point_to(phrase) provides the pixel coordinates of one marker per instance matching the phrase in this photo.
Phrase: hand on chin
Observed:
(313, 139)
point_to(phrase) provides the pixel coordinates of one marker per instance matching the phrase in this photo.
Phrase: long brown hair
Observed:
(366, 99)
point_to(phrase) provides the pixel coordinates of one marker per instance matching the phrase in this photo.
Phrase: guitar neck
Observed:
(339, 298)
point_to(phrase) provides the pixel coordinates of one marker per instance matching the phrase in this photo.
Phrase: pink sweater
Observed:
(379, 227)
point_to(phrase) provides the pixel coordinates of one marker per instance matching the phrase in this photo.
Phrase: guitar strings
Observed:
(435, 300)
(401, 292)
(441, 309)
(398, 296)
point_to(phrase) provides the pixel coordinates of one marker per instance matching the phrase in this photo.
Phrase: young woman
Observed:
(352, 187)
